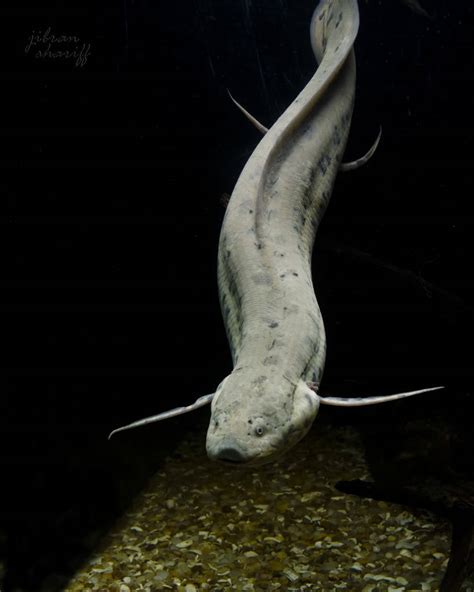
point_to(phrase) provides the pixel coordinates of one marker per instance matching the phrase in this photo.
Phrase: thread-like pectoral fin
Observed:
(356, 164)
(362, 401)
(249, 116)
(204, 400)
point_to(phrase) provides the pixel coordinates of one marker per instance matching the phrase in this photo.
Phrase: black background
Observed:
(111, 184)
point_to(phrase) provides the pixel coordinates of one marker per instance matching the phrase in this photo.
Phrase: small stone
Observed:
(184, 544)
(272, 539)
(406, 544)
(307, 497)
(291, 575)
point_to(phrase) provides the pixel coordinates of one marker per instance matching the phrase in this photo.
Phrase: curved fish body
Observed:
(271, 314)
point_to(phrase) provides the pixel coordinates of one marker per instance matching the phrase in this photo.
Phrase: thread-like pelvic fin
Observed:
(204, 400)
(356, 164)
(344, 166)
(362, 401)
(249, 116)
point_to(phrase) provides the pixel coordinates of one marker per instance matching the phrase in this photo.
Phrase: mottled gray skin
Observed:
(271, 314)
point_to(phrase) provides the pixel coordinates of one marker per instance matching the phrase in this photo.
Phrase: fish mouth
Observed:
(230, 452)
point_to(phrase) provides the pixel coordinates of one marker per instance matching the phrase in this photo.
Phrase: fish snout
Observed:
(228, 451)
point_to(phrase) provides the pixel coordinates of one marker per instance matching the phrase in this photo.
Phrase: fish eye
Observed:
(259, 431)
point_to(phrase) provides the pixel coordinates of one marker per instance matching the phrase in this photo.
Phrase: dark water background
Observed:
(110, 208)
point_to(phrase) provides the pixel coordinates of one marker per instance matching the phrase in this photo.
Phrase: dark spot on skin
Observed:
(282, 275)
(270, 361)
(324, 163)
(294, 273)
(272, 345)
(347, 116)
(250, 421)
(273, 179)
(302, 219)
(250, 211)
(337, 48)
(307, 197)
(260, 380)
(273, 324)
(292, 309)
(258, 245)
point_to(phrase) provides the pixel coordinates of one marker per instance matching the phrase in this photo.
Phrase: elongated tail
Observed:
(336, 401)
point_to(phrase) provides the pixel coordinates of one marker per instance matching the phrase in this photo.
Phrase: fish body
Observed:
(272, 318)
(271, 315)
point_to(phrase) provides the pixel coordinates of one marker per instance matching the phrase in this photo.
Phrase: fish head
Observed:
(255, 418)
